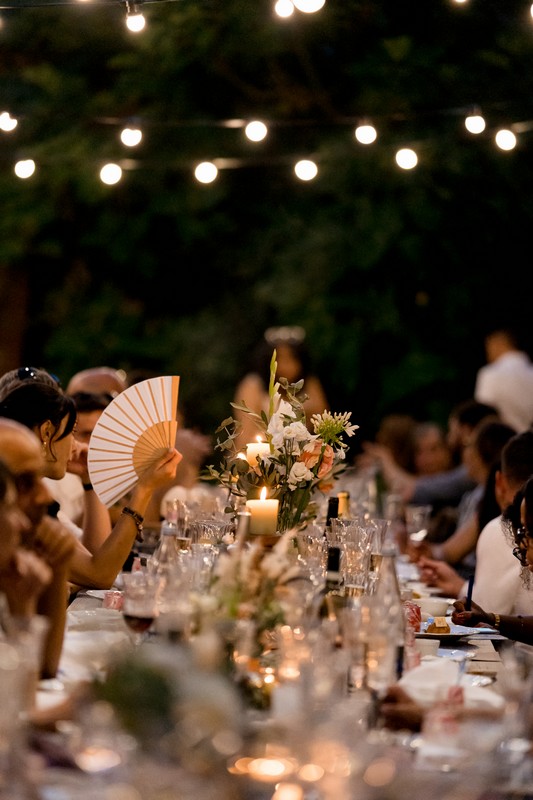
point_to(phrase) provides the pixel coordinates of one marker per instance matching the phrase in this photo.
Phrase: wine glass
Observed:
(139, 604)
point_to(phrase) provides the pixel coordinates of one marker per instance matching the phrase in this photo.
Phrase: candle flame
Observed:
(263, 493)
(258, 439)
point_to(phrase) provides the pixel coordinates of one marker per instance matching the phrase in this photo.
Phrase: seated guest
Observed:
(480, 456)
(73, 491)
(23, 575)
(518, 628)
(97, 380)
(498, 578)
(446, 488)
(51, 415)
(21, 451)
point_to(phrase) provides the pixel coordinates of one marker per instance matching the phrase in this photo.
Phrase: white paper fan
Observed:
(133, 432)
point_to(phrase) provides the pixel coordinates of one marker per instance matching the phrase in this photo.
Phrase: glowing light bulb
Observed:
(206, 172)
(131, 137)
(308, 6)
(110, 174)
(306, 170)
(7, 122)
(366, 134)
(25, 168)
(256, 131)
(505, 139)
(406, 158)
(475, 123)
(284, 8)
(135, 22)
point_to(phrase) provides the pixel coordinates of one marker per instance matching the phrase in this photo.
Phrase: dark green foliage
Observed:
(394, 275)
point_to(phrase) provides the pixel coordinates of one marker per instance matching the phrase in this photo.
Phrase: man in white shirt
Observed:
(506, 381)
(498, 579)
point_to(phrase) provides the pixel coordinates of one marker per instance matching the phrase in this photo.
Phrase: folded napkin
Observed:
(95, 619)
(430, 681)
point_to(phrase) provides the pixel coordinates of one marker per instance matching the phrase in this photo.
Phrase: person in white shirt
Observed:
(498, 581)
(506, 381)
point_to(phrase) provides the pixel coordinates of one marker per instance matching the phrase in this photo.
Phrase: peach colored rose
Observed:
(311, 456)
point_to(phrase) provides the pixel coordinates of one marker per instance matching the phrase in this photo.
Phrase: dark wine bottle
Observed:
(332, 513)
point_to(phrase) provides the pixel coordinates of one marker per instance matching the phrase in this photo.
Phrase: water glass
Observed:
(140, 603)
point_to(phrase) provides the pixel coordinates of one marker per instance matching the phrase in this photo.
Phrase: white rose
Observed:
(299, 472)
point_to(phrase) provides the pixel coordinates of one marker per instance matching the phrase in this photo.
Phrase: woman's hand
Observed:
(399, 711)
(470, 618)
(440, 574)
(163, 471)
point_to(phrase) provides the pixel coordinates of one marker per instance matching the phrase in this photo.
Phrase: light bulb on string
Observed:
(131, 137)
(531, 10)
(306, 170)
(308, 6)
(135, 20)
(25, 168)
(110, 174)
(365, 133)
(256, 131)
(505, 139)
(406, 158)
(475, 123)
(206, 172)
(7, 122)
(284, 8)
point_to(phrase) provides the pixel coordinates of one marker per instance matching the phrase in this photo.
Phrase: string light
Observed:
(406, 158)
(505, 139)
(110, 174)
(366, 134)
(7, 122)
(131, 137)
(308, 6)
(475, 123)
(306, 170)
(25, 168)
(135, 20)
(256, 131)
(284, 8)
(206, 172)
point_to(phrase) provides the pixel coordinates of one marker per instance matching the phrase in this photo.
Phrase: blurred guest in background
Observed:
(293, 364)
(506, 381)
(499, 579)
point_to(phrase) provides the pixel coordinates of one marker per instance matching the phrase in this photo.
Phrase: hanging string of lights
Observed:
(365, 132)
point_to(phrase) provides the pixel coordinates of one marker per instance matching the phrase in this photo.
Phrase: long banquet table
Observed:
(94, 632)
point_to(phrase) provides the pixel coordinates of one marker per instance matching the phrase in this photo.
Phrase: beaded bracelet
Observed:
(496, 623)
(87, 487)
(138, 520)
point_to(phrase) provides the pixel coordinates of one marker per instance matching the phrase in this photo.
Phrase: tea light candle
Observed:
(264, 515)
(255, 449)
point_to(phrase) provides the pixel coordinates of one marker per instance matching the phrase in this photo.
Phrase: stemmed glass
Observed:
(139, 604)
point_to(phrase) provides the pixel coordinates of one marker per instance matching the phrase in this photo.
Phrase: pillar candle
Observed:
(264, 515)
(254, 449)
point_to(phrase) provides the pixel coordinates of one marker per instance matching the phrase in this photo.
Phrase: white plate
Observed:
(456, 632)
(98, 593)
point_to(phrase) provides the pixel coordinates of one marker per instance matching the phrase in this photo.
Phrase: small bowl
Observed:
(433, 606)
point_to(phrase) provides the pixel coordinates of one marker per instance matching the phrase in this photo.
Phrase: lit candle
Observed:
(255, 449)
(264, 519)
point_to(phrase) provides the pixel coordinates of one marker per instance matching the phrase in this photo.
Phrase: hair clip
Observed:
(286, 334)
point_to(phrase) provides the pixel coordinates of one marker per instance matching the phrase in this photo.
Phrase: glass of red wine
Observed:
(139, 604)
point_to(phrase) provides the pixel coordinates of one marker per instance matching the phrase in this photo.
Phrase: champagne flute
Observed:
(139, 604)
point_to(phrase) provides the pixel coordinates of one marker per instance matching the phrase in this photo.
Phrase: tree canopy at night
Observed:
(395, 274)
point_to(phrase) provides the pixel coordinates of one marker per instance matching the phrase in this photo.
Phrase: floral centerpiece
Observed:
(298, 462)
(248, 584)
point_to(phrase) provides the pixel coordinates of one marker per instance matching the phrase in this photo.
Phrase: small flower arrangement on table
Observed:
(293, 462)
